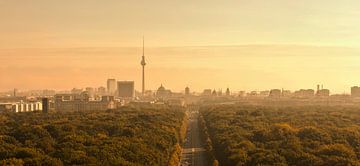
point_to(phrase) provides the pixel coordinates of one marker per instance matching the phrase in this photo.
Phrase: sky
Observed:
(240, 44)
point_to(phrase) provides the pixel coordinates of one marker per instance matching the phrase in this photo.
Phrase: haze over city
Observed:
(244, 45)
(180, 83)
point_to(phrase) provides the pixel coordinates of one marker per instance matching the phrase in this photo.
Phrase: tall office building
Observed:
(125, 89)
(187, 91)
(111, 86)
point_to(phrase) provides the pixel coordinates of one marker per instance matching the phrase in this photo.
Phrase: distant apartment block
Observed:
(304, 93)
(22, 106)
(207, 92)
(111, 86)
(126, 89)
(275, 93)
(355, 91)
(82, 102)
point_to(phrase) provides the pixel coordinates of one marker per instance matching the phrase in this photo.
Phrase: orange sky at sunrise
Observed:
(240, 44)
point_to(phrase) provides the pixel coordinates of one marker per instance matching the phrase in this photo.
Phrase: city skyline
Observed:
(283, 44)
(191, 70)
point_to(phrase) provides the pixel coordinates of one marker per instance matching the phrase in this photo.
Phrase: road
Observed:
(194, 152)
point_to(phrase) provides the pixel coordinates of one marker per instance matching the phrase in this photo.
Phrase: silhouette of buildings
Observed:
(355, 91)
(275, 93)
(214, 93)
(111, 86)
(101, 91)
(206, 92)
(227, 93)
(90, 91)
(82, 102)
(187, 91)
(304, 93)
(125, 89)
(322, 92)
(21, 106)
(286, 93)
(162, 92)
(76, 91)
(264, 93)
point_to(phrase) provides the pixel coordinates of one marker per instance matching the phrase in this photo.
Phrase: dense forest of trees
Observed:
(127, 136)
(298, 135)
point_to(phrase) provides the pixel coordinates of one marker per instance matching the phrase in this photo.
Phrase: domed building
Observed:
(162, 92)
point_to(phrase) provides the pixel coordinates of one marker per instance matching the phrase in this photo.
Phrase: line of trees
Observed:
(127, 136)
(297, 135)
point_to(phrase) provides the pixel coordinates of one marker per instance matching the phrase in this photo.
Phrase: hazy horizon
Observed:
(243, 45)
(258, 67)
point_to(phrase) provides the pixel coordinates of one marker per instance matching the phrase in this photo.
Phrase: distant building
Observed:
(304, 93)
(125, 89)
(22, 106)
(253, 93)
(90, 91)
(101, 90)
(187, 91)
(15, 92)
(242, 93)
(219, 93)
(206, 92)
(286, 93)
(162, 92)
(355, 91)
(111, 86)
(47, 92)
(264, 93)
(275, 93)
(76, 91)
(214, 93)
(81, 102)
(45, 105)
(227, 92)
(323, 93)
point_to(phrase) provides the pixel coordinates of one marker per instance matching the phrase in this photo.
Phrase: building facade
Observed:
(82, 102)
(125, 89)
(111, 86)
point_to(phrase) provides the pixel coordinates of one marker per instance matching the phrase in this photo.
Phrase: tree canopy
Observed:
(297, 135)
(127, 136)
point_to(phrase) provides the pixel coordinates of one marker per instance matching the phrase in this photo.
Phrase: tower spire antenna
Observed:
(143, 63)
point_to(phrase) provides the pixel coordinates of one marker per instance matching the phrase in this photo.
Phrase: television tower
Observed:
(143, 63)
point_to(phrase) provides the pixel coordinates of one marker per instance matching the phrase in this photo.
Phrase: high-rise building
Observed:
(125, 89)
(187, 91)
(111, 86)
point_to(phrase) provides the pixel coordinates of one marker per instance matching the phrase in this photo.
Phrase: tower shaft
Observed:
(143, 63)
